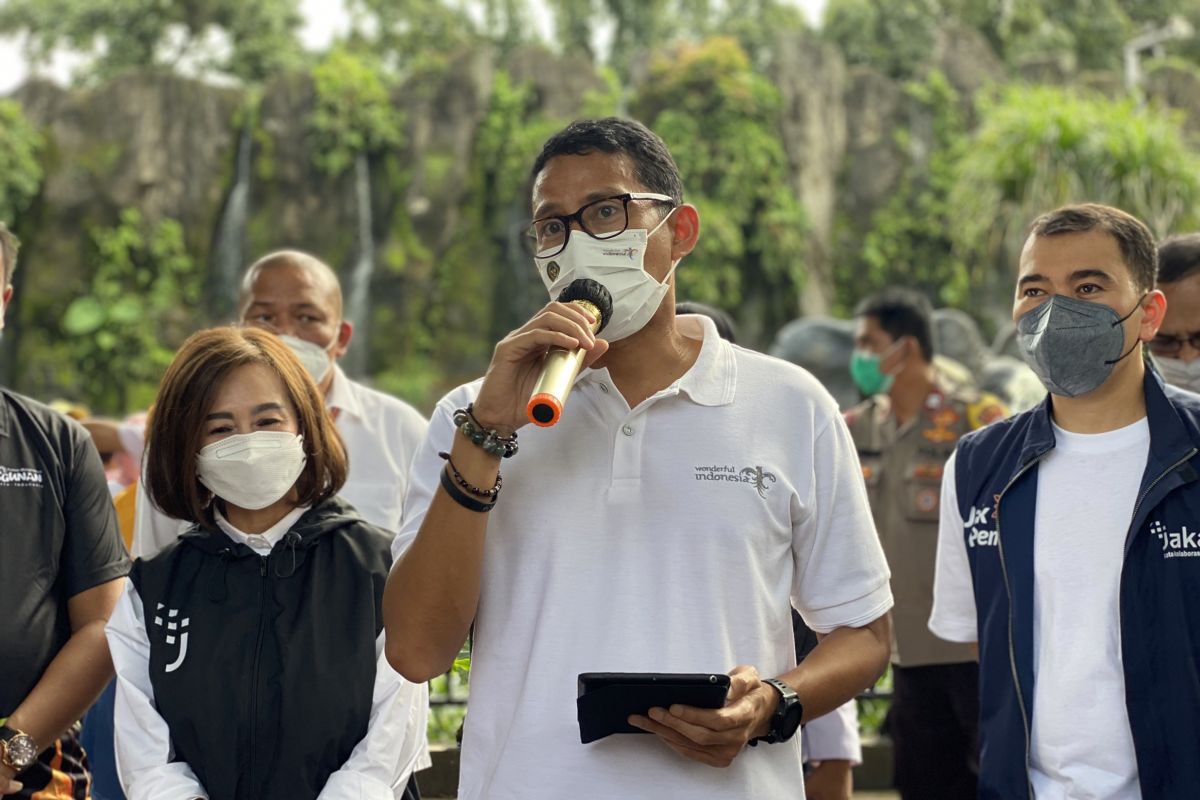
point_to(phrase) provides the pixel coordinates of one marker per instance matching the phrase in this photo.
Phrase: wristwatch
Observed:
(17, 750)
(786, 719)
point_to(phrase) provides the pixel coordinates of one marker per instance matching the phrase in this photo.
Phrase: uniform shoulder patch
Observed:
(986, 410)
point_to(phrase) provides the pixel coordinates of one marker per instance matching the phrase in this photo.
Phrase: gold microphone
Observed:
(561, 367)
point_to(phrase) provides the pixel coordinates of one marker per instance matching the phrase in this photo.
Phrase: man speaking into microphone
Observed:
(689, 494)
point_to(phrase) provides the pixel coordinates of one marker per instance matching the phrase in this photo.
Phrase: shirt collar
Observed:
(4, 414)
(342, 395)
(712, 379)
(271, 535)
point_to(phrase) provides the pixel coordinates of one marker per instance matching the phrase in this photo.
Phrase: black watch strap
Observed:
(786, 719)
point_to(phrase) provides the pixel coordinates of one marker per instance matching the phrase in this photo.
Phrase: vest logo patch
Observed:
(980, 537)
(25, 477)
(1183, 543)
(176, 629)
(760, 479)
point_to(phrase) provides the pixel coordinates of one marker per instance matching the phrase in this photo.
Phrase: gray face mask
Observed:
(1072, 345)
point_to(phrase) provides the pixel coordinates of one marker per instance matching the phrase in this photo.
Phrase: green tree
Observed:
(894, 37)
(353, 112)
(121, 333)
(910, 240)
(573, 25)
(406, 34)
(721, 120)
(1038, 148)
(20, 169)
(124, 34)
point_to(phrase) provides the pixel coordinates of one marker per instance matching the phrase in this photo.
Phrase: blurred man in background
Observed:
(905, 431)
(61, 565)
(298, 296)
(1176, 346)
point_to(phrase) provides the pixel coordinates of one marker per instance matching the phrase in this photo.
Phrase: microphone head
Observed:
(594, 293)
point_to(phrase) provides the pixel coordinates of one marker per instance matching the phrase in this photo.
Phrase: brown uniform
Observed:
(902, 466)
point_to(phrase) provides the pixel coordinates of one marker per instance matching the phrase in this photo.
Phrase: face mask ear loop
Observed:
(1121, 321)
(1136, 306)
(654, 230)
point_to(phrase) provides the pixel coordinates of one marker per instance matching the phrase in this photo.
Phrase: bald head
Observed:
(302, 269)
(291, 293)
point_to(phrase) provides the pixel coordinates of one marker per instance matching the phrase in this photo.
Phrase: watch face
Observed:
(20, 751)
(791, 720)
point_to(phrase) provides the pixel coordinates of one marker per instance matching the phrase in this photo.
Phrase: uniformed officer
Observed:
(904, 431)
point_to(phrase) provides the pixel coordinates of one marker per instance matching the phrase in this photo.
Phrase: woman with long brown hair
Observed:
(248, 652)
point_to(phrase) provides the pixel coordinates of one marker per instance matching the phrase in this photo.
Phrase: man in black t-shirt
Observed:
(62, 566)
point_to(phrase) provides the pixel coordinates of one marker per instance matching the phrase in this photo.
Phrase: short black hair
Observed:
(1179, 258)
(10, 245)
(653, 165)
(1133, 237)
(724, 322)
(902, 312)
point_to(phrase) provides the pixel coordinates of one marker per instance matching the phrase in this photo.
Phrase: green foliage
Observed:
(411, 34)
(121, 332)
(909, 242)
(353, 113)
(721, 120)
(124, 34)
(1038, 148)
(894, 37)
(20, 170)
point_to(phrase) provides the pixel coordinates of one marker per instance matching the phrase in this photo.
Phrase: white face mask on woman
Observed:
(617, 264)
(252, 470)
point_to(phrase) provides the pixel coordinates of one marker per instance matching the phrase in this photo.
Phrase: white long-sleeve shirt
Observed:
(377, 769)
(834, 736)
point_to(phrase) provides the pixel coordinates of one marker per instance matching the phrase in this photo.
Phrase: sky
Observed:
(324, 19)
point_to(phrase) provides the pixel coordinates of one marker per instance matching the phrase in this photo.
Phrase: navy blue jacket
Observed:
(996, 479)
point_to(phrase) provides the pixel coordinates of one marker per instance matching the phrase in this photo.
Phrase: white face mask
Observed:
(314, 357)
(252, 470)
(618, 265)
(1179, 373)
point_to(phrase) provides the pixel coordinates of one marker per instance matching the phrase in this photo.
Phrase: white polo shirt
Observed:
(670, 537)
(381, 435)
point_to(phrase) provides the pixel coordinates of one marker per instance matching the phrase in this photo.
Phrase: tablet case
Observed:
(607, 699)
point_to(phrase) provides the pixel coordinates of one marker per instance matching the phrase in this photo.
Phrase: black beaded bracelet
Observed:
(485, 494)
(488, 438)
(462, 498)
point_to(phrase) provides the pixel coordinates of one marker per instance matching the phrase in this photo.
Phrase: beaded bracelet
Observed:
(488, 438)
(486, 494)
(462, 498)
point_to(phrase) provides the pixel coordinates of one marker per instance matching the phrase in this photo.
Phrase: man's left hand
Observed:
(715, 736)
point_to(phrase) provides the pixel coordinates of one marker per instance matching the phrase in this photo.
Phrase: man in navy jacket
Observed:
(1069, 545)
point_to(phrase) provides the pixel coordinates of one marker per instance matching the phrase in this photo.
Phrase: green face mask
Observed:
(867, 374)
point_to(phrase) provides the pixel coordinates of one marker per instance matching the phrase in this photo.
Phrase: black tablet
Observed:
(607, 699)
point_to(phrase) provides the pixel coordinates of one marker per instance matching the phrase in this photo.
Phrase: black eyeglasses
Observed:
(600, 219)
(1164, 345)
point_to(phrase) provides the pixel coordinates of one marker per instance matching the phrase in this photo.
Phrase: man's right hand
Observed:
(517, 362)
